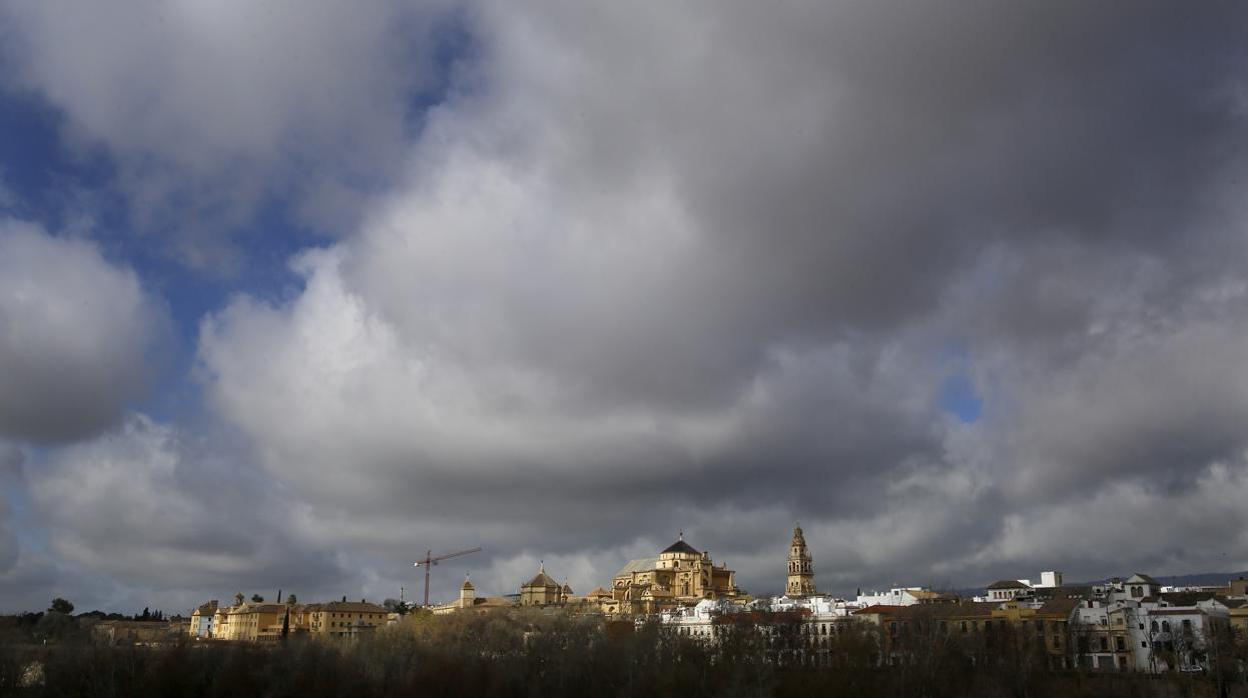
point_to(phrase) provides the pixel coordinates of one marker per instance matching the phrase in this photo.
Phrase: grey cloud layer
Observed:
(688, 261)
(79, 336)
(711, 269)
(212, 111)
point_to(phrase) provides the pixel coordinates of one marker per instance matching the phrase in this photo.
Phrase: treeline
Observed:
(54, 626)
(531, 653)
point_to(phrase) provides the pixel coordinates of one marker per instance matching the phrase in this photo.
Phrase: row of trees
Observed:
(529, 652)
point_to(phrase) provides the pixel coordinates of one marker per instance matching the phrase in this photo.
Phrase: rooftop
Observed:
(643, 564)
(680, 546)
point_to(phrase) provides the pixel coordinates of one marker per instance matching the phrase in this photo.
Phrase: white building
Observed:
(1049, 580)
(1167, 638)
(1128, 626)
(1006, 590)
(899, 596)
(698, 621)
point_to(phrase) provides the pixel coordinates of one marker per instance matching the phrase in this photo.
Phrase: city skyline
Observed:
(292, 292)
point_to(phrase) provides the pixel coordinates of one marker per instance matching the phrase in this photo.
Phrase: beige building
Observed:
(1237, 615)
(342, 618)
(1237, 587)
(251, 622)
(469, 601)
(246, 621)
(541, 590)
(801, 579)
(680, 575)
(261, 621)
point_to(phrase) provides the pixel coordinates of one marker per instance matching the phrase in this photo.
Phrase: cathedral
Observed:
(801, 580)
(680, 575)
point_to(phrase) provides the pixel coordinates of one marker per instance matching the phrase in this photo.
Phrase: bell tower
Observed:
(801, 580)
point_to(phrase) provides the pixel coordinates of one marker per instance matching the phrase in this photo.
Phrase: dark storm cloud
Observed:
(79, 336)
(719, 272)
(10, 475)
(709, 268)
(149, 507)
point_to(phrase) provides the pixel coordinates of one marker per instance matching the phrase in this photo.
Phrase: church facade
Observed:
(541, 590)
(680, 575)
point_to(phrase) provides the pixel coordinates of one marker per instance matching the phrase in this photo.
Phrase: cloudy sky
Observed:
(291, 292)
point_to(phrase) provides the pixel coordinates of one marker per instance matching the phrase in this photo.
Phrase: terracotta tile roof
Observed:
(1187, 598)
(541, 580)
(1062, 607)
(258, 608)
(352, 607)
(946, 611)
(878, 608)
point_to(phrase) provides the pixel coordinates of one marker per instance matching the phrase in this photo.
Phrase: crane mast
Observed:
(431, 560)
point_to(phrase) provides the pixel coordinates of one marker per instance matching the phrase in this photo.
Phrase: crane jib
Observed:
(430, 560)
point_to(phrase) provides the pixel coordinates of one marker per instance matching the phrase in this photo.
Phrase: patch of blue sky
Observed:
(959, 397)
(958, 394)
(48, 181)
(453, 47)
(57, 184)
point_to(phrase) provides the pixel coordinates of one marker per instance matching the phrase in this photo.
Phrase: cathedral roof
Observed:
(680, 546)
(542, 580)
(644, 564)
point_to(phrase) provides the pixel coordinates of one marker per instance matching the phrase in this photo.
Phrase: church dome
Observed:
(680, 546)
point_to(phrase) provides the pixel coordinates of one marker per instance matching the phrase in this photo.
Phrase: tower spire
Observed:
(801, 575)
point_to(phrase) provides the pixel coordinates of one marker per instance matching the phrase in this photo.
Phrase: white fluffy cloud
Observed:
(79, 336)
(213, 110)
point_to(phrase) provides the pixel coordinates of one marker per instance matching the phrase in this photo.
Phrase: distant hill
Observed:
(1202, 579)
